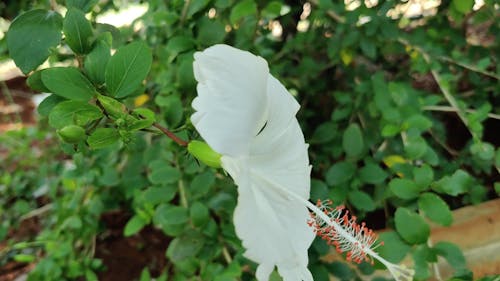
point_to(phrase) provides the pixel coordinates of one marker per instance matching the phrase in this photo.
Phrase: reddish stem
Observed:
(171, 135)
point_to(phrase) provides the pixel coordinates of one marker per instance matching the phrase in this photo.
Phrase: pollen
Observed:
(343, 232)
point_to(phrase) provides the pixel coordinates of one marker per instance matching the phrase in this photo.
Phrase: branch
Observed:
(171, 135)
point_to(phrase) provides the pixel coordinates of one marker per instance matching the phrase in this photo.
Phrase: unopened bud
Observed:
(114, 108)
(72, 134)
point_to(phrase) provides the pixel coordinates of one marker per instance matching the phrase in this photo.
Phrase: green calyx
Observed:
(72, 134)
(204, 153)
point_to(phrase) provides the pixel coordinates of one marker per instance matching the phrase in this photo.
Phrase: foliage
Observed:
(380, 96)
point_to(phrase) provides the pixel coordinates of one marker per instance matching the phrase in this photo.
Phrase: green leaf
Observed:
(352, 141)
(421, 257)
(423, 176)
(241, 10)
(185, 246)
(201, 184)
(340, 173)
(368, 47)
(68, 82)
(415, 147)
(127, 68)
(48, 104)
(171, 219)
(272, 10)
(31, 36)
(361, 200)
(419, 122)
(463, 6)
(177, 45)
(435, 208)
(412, 227)
(35, 82)
(210, 32)
(77, 31)
(196, 6)
(24, 258)
(134, 225)
(324, 133)
(199, 214)
(96, 61)
(484, 150)
(73, 112)
(394, 248)
(159, 194)
(162, 173)
(103, 137)
(372, 173)
(84, 5)
(457, 184)
(452, 254)
(404, 188)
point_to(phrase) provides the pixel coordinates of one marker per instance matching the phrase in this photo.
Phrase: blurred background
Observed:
(400, 104)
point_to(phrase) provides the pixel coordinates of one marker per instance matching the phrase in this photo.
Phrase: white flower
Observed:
(246, 115)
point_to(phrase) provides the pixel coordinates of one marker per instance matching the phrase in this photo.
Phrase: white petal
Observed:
(232, 103)
(272, 227)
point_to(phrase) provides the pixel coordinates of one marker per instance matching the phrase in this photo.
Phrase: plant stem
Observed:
(182, 194)
(451, 109)
(171, 135)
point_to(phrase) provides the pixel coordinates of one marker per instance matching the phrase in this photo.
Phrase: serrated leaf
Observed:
(68, 82)
(412, 227)
(31, 36)
(77, 31)
(73, 112)
(435, 208)
(103, 137)
(127, 68)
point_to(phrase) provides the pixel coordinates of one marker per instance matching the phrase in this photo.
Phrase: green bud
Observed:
(72, 134)
(113, 108)
(201, 151)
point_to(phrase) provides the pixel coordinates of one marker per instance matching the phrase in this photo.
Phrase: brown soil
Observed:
(125, 257)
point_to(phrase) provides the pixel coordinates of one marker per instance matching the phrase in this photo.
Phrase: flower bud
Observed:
(114, 108)
(201, 151)
(72, 134)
